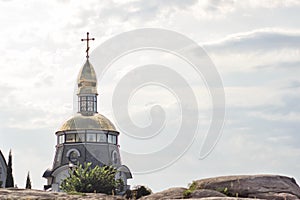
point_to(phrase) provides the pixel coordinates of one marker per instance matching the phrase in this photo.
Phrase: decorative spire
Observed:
(87, 80)
(87, 85)
(87, 44)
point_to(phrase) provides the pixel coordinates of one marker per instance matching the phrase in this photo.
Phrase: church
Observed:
(3, 168)
(87, 136)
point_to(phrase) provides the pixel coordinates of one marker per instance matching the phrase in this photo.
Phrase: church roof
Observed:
(82, 122)
(87, 79)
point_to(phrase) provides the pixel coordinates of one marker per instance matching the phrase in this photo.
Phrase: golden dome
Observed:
(87, 79)
(94, 122)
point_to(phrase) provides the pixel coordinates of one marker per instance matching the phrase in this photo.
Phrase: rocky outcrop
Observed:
(22, 194)
(177, 193)
(271, 187)
(226, 198)
(172, 193)
(196, 194)
(259, 187)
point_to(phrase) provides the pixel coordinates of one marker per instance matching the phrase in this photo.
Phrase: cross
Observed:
(87, 44)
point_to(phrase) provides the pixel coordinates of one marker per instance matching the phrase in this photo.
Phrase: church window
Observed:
(90, 98)
(80, 137)
(112, 139)
(61, 139)
(70, 138)
(101, 137)
(95, 104)
(83, 106)
(88, 104)
(91, 137)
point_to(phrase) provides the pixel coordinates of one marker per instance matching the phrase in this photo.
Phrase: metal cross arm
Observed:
(87, 44)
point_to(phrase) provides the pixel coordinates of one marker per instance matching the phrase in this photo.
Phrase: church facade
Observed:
(87, 136)
(3, 169)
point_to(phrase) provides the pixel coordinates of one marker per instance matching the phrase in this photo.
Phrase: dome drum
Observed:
(87, 136)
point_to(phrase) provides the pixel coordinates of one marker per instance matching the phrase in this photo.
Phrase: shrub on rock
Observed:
(86, 179)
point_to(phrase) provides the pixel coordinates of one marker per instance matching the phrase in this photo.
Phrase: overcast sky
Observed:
(255, 46)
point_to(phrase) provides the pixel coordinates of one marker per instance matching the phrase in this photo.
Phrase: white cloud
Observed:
(259, 40)
(254, 44)
(270, 3)
(247, 97)
(261, 58)
(291, 116)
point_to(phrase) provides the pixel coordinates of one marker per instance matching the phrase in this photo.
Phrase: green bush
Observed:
(192, 187)
(187, 193)
(86, 179)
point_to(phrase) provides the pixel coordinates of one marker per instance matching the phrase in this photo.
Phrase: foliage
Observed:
(138, 192)
(86, 179)
(9, 177)
(142, 191)
(128, 194)
(28, 182)
(187, 193)
(192, 187)
(224, 191)
(76, 193)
